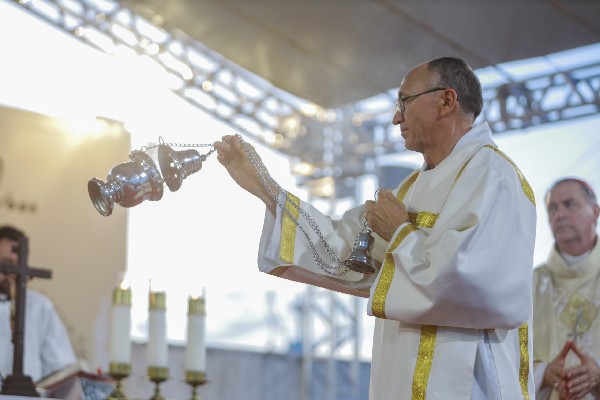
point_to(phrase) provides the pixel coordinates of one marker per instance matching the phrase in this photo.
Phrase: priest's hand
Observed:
(553, 375)
(232, 156)
(386, 214)
(583, 378)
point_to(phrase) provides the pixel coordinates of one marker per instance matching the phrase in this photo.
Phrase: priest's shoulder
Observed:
(39, 300)
(541, 270)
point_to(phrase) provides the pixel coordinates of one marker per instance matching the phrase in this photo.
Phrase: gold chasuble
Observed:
(452, 296)
(567, 301)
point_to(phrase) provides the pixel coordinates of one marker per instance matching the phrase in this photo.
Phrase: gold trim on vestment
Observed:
(424, 362)
(424, 219)
(402, 192)
(288, 229)
(387, 273)
(524, 184)
(387, 269)
(524, 352)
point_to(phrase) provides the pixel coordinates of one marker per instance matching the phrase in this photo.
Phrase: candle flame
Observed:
(125, 280)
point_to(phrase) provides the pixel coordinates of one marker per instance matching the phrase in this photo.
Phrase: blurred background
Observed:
(313, 86)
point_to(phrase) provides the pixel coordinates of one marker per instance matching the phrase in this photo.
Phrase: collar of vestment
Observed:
(588, 267)
(467, 145)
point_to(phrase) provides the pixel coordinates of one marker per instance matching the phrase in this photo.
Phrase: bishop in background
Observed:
(567, 297)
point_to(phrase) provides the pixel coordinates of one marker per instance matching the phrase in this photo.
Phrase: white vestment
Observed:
(47, 347)
(566, 300)
(453, 296)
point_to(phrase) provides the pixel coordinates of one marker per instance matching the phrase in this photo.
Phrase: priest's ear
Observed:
(449, 101)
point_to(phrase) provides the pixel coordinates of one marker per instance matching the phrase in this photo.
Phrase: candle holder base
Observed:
(158, 375)
(195, 379)
(157, 394)
(195, 395)
(118, 371)
(118, 393)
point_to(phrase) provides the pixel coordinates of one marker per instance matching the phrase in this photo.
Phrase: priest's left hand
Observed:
(386, 214)
(583, 378)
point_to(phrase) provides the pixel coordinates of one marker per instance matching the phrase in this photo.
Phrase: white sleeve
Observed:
(279, 237)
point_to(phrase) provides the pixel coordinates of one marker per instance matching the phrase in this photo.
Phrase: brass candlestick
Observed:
(195, 379)
(118, 371)
(158, 375)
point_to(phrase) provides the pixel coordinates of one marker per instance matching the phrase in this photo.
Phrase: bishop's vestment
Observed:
(566, 303)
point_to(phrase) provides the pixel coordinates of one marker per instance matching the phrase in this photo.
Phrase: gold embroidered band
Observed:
(387, 270)
(402, 192)
(387, 273)
(288, 229)
(424, 361)
(524, 356)
(424, 219)
(524, 184)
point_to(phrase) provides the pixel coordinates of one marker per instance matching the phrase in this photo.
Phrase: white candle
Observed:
(195, 351)
(157, 330)
(120, 340)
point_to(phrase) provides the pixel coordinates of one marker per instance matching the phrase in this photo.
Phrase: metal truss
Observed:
(338, 143)
(194, 72)
(329, 322)
(543, 99)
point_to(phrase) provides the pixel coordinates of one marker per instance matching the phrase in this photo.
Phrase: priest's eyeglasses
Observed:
(403, 101)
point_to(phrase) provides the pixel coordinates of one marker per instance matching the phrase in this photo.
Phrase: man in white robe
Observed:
(47, 347)
(566, 325)
(452, 296)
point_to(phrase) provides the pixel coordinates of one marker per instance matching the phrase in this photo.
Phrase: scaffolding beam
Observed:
(293, 126)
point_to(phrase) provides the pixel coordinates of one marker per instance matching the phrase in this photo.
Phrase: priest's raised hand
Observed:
(232, 153)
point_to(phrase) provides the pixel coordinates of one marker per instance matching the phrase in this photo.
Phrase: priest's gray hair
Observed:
(589, 193)
(454, 73)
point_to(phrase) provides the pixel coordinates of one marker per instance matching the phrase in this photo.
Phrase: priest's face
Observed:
(7, 256)
(572, 217)
(419, 110)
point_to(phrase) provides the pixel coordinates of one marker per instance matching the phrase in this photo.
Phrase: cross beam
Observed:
(18, 383)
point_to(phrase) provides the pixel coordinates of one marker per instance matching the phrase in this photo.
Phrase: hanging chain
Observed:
(162, 142)
(338, 269)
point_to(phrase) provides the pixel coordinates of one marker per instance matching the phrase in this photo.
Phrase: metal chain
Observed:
(162, 142)
(338, 269)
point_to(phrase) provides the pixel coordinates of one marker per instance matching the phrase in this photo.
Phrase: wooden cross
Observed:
(19, 384)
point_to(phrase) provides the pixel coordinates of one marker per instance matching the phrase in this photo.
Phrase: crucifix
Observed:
(19, 384)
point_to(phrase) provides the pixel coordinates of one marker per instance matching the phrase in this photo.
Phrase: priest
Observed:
(567, 296)
(452, 295)
(47, 347)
